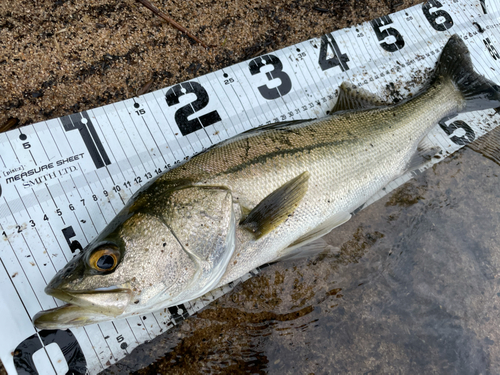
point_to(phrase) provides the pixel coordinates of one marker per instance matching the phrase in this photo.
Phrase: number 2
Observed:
(181, 115)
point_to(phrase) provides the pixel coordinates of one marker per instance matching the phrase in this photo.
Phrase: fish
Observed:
(257, 198)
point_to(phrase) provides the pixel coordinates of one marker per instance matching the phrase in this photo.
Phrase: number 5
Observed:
(383, 34)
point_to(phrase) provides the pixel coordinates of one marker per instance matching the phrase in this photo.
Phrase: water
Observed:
(412, 286)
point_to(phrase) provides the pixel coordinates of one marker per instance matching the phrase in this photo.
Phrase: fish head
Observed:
(127, 269)
(149, 257)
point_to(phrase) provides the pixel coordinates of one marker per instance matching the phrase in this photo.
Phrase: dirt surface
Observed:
(60, 57)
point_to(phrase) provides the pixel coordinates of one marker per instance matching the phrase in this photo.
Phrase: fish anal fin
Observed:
(425, 152)
(351, 99)
(277, 206)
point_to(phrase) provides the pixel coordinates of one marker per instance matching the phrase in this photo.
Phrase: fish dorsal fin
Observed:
(425, 152)
(351, 98)
(277, 206)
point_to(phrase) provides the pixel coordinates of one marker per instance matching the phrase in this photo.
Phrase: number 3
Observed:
(277, 72)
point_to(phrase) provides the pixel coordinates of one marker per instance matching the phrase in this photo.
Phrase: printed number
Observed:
(228, 81)
(117, 188)
(26, 145)
(465, 139)
(32, 223)
(148, 175)
(68, 234)
(140, 112)
(81, 121)
(275, 92)
(483, 5)
(71, 207)
(338, 59)
(4, 234)
(68, 345)
(377, 24)
(45, 217)
(19, 229)
(127, 184)
(436, 15)
(105, 193)
(94, 197)
(58, 211)
(137, 180)
(83, 201)
(491, 49)
(181, 115)
(158, 170)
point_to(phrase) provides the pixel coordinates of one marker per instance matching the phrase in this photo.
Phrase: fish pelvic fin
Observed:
(455, 63)
(321, 230)
(311, 243)
(277, 206)
(309, 249)
(355, 99)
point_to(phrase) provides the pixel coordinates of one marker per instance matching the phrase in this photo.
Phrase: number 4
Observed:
(338, 59)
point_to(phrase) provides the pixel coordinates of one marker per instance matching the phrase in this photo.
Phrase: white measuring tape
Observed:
(63, 180)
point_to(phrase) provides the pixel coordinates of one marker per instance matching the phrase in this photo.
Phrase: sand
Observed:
(61, 57)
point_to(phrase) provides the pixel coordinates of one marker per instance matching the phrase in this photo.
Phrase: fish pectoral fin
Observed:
(277, 206)
(351, 98)
(425, 152)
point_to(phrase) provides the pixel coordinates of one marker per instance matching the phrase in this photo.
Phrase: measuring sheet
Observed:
(63, 180)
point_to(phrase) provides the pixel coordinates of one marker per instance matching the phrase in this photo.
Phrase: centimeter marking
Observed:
(63, 180)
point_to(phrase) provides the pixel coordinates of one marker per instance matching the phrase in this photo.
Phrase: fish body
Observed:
(257, 198)
(349, 157)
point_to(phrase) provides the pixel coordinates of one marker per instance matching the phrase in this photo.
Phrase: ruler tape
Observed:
(64, 179)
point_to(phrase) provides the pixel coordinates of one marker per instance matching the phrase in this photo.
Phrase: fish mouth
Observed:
(83, 307)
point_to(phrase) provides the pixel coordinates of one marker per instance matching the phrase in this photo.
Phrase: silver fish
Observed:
(257, 198)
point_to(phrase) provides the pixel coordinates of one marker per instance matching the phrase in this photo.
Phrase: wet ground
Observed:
(410, 286)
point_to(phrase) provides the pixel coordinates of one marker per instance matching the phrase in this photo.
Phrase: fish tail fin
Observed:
(455, 63)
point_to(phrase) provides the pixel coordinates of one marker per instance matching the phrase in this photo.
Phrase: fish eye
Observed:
(105, 258)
